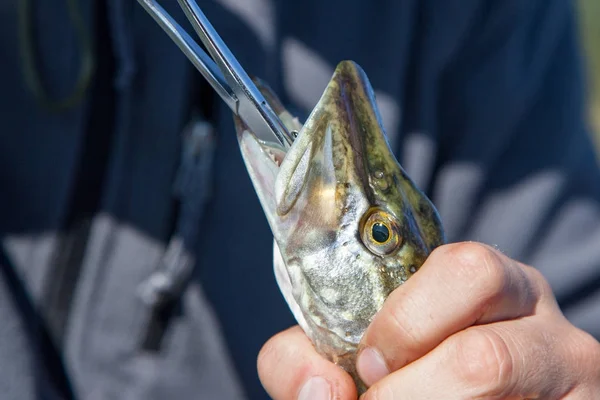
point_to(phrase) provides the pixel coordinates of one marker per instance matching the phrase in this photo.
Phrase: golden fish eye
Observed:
(380, 233)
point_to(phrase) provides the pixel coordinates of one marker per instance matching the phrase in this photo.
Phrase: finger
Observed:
(290, 368)
(504, 360)
(458, 286)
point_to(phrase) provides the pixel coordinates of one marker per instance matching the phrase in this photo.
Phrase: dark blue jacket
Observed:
(483, 101)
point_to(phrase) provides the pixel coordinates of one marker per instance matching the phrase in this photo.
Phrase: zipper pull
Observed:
(163, 289)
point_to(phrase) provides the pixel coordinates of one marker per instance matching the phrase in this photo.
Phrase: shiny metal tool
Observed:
(224, 74)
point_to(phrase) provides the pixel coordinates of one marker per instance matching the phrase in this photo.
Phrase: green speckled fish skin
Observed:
(349, 225)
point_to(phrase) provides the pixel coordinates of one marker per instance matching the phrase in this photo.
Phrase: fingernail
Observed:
(316, 388)
(371, 366)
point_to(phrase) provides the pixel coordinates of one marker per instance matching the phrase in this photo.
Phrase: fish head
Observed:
(349, 225)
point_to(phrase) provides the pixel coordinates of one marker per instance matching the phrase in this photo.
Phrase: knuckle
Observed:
(594, 358)
(398, 320)
(541, 286)
(480, 265)
(585, 353)
(484, 361)
(400, 336)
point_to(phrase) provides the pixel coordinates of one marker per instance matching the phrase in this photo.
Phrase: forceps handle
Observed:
(193, 52)
(239, 82)
(223, 72)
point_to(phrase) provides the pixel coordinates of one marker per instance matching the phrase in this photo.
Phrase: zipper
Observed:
(161, 292)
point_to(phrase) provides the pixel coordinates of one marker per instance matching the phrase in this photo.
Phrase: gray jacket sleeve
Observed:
(513, 164)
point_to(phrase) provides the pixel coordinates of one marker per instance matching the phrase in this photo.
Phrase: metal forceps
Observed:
(225, 74)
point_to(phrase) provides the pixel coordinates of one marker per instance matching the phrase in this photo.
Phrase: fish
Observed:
(348, 223)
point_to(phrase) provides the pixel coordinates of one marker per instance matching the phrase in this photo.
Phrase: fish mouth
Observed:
(263, 159)
(270, 152)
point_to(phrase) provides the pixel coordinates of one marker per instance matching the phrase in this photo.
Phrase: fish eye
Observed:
(380, 232)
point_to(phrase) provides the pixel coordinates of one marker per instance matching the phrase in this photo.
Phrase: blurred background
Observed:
(589, 11)
(247, 279)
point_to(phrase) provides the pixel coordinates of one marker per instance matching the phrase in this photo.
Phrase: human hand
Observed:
(471, 324)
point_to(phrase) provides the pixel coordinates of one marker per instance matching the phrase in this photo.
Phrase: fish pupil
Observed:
(380, 233)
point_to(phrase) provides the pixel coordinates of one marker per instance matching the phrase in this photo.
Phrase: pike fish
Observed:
(349, 225)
